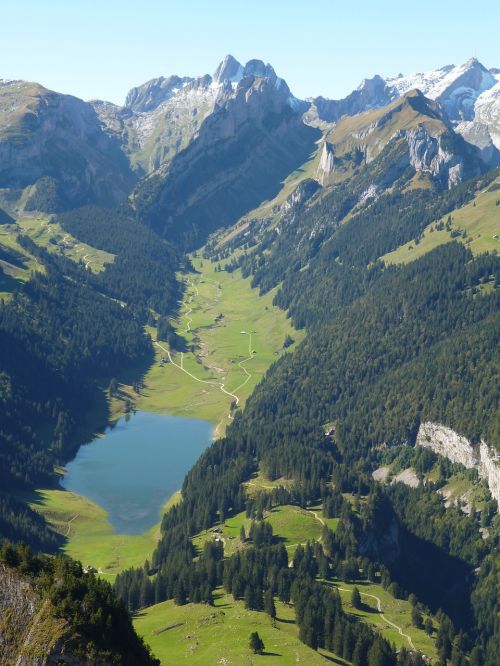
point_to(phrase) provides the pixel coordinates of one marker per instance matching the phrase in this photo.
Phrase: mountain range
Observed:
(58, 152)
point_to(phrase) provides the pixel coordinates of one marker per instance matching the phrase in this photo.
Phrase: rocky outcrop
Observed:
(455, 88)
(435, 156)
(448, 443)
(371, 94)
(228, 70)
(151, 94)
(302, 193)
(161, 117)
(326, 161)
(28, 635)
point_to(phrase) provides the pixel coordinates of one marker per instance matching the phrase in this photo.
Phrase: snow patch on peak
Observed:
(424, 81)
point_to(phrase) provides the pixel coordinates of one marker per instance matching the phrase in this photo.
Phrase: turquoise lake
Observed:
(136, 466)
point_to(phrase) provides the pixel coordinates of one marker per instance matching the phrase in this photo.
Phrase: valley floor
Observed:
(217, 307)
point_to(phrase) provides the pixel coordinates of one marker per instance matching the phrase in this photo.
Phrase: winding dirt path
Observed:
(379, 608)
(180, 366)
(317, 517)
(69, 524)
(202, 381)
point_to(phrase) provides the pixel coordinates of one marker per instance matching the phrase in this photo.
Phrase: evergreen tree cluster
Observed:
(99, 628)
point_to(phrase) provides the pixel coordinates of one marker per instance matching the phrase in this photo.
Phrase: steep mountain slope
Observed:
(242, 152)
(457, 89)
(55, 143)
(162, 116)
(397, 167)
(475, 224)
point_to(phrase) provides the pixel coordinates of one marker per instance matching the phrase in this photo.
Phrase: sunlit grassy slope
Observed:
(197, 634)
(477, 225)
(89, 536)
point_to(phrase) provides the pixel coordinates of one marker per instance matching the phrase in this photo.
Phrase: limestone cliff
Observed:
(239, 157)
(448, 443)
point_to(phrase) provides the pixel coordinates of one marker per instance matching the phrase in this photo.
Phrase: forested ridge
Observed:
(418, 345)
(86, 619)
(323, 261)
(143, 271)
(65, 333)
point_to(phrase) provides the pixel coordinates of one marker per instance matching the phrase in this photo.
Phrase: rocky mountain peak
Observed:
(228, 70)
(151, 94)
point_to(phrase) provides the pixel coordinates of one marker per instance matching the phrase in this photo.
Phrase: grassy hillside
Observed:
(192, 633)
(199, 634)
(46, 233)
(394, 622)
(477, 225)
(291, 525)
(89, 536)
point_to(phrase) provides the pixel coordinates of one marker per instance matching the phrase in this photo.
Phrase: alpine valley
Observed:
(319, 280)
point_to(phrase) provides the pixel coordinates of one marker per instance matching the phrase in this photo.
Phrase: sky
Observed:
(100, 49)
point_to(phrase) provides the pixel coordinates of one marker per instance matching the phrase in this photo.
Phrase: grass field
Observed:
(205, 636)
(45, 233)
(89, 536)
(397, 611)
(192, 633)
(217, 308)
(291, 525)
(481, 222)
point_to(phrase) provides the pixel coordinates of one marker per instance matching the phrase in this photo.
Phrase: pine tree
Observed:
(256, 643)
(269, 605)
(356, 598)
(180, 594)
(416, 617)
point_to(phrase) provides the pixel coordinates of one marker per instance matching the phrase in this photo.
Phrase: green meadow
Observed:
(291, 525)
(89, 536)
(202, 635)
(476, 225)
(232, 336)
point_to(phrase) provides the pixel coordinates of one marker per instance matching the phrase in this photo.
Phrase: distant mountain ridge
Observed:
(469, 94)
(58, 152)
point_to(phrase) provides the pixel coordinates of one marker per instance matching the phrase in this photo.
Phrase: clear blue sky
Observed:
(100, 49)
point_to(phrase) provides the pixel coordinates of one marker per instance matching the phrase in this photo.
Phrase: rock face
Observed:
(45, 134)
(27, 636)
(326, 161)
(429, 155)
(446, 442)
(161, 117)
(371, 94)
(469, 95)
(244, 148)
(151, 94)
(455, 88)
